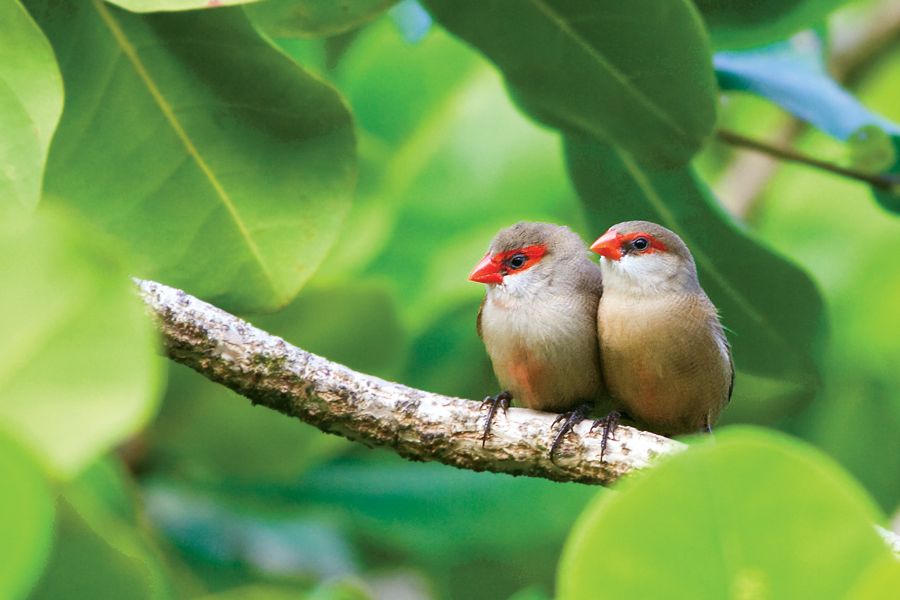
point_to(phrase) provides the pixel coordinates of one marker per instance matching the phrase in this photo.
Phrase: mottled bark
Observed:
(418, 425)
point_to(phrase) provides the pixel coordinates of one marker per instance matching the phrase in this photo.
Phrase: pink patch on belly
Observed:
(528, 375)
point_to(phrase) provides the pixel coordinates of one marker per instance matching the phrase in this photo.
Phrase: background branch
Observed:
(884, 182)
(416, 424)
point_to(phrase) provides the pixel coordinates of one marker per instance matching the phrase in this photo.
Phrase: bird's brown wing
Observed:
(478, 320)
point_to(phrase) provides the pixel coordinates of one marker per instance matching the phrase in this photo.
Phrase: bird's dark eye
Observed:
(640, 243)
(517, 261)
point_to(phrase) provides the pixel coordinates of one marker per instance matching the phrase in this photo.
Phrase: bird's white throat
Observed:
(643, 274)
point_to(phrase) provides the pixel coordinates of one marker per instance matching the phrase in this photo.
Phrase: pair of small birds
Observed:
(635, 333)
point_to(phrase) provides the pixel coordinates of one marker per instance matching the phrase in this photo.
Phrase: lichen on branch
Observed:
(416, 424)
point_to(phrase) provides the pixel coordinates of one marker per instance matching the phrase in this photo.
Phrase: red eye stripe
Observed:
(655, 244)
(533, 255)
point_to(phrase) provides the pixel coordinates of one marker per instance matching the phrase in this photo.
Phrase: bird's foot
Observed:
(502, 400)
(610, 422)
(569, 421)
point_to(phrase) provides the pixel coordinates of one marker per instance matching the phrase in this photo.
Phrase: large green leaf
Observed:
(314, 18)
(26, 519)
(745, 23)
(78, 371)
(638, 74)
(102, 549)
(224, 166)
(747, 515)
(31, 98)
(771, 309)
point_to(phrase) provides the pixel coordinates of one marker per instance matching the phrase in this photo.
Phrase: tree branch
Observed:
(418, 425)
(884, 182)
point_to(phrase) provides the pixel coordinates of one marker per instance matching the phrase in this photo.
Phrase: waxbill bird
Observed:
(538, 322)
(666, 361)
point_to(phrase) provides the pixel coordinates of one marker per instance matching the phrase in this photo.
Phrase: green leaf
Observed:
(225, 167)
(31, 98)
(79, 368)
(100, 549)
(637, 74)
(772, 311)
(747, 515)
(746, 23)
(314, 18)
(890, 198)
(26, 519)
(882, 580)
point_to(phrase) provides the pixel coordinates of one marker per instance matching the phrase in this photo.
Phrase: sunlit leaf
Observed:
(31, 98)
(745, 23)
(635, 73)
(747, 515)
(78, 365)
(771, 310)
(171, 5)
(225, 167)
(882, 580)
(26, 519)
(314, 18)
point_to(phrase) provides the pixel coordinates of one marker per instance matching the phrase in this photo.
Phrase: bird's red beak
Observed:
(486, 271)
(608, 246)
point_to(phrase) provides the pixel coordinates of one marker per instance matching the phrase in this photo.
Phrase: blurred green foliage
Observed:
(218, 150)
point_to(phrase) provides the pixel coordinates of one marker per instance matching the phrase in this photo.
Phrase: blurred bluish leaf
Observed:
(265, 538)
(26, 519)
(314, 18)
(475, 534)
(31, 99)
(637, 74)
(771, 310)
(222, 181)
(749, 514)
(413, 21)
(746, 23)
(792, 75)
(102, 551)
(80, 371)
